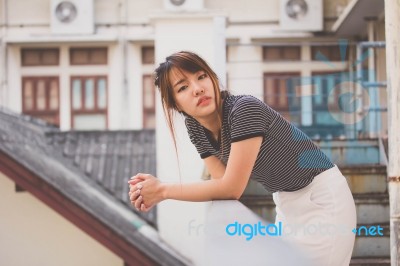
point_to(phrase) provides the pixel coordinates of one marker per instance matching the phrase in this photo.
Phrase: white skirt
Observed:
(319, 218)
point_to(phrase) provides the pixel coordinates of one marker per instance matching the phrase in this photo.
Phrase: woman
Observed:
(240, 137)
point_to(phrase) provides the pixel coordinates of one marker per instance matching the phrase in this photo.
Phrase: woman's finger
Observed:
(138, 203)
(136, 187)
(144, 208)
(133, 195)
(134, 180)
(142, 176)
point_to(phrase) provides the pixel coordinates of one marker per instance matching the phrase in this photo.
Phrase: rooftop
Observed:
(90, 170)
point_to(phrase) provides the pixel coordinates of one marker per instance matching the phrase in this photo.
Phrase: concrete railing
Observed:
(234, 235)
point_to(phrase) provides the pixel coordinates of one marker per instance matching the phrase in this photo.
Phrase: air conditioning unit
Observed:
(184, 5)
(301, 15)
(72, 17)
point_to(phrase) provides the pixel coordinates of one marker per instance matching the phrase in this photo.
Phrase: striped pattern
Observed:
(288, 160)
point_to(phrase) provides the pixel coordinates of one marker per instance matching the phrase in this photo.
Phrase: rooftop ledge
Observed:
(354, 18)
(200, 14)
(61, 38)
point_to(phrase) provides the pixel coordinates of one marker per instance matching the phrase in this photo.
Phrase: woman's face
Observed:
(194, 93)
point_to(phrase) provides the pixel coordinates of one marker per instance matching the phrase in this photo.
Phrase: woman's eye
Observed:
(182, 88)
(203, 76)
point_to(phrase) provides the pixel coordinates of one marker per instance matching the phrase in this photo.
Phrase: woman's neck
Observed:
(213, 125)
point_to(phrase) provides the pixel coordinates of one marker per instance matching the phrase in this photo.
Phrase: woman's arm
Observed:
(233, 182)
(230, 186)
(215, 167)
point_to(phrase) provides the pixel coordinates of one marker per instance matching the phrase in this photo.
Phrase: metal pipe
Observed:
(373, 44)
(373, 118)
(359, 126)
(371, 85)
(374, 84)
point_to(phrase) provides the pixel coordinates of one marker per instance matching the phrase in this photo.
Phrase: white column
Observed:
(3, 69)
(392, 25)
(65, 88)
(3, 57)
(306, 89)
(202, 33)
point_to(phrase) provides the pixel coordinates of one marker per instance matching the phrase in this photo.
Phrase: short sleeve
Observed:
(197, 137)
(249, 117)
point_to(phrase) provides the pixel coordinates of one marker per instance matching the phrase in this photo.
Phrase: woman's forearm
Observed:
(229, 186)
(213, 189)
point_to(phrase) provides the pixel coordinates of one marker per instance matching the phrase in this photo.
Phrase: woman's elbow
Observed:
(237, 196)
(230, 191)
(234, 194)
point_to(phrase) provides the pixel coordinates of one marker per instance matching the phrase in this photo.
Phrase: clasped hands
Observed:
(145, 191)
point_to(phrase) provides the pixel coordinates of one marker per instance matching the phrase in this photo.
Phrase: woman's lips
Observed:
(203, 101)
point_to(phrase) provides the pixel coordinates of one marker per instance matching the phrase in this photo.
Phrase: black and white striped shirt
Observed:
(287, 161)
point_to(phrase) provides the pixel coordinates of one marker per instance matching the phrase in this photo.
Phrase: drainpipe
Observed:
(359, 93)
(373, 91)
(373, 118)
(392, 30)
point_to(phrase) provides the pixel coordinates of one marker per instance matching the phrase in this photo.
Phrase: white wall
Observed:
(249, 10)
(28, 12)
(33, 234)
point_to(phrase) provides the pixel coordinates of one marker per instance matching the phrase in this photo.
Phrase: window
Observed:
(329, 53)
(326, 102)
(40, 57)
(40, 98)
(148, 55)
(281, 53)
(282, 93)
(89, 102)
(88, 56)
(149, 102)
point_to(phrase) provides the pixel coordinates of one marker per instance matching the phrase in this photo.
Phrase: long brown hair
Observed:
(192, 63)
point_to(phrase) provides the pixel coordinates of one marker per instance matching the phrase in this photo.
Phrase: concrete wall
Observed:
(33, 234)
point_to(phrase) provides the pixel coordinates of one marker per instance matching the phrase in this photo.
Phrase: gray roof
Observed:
(92, 169)
(109, 158)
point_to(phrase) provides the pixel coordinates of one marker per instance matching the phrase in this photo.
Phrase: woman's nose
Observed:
(198, 90)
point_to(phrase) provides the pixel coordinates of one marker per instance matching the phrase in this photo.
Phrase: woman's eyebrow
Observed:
(179, 82)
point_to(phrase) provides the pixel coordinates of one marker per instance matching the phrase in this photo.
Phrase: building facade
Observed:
(88, 65)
